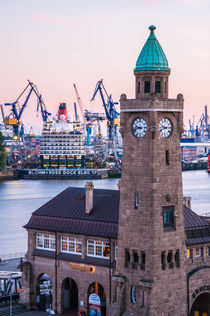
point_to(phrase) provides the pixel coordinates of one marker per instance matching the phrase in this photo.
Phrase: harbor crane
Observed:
(111, 114)
(202, 127)
(13, 119)
(88, 118)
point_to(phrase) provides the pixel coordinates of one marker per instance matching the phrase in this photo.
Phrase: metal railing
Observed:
(10, 256)
(205, 214)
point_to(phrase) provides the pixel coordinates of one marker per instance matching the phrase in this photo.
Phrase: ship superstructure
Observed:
(63, 143)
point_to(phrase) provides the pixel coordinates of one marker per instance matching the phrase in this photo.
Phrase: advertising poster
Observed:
(94, 305)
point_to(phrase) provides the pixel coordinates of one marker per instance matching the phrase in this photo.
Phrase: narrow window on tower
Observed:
(138, 87)
(157, 86)
(147, 87)
(135, 259)
(127, 258)
(143, 260)
(177, 258)
(136, 204)
(168, 217)
(170, 259)
(167, 157)
(163, 260)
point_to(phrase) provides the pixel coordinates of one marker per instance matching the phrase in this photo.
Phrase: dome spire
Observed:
(152, 56)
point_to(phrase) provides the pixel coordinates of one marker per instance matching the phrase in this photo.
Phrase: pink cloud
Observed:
(63, 21)
(194, 2)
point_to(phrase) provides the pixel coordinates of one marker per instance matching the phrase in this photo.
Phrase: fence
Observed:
(205, 214)
(11, 256)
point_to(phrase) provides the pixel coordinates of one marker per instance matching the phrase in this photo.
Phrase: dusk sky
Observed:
(56, 43)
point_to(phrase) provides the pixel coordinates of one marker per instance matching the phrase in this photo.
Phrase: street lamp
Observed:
(10, 305)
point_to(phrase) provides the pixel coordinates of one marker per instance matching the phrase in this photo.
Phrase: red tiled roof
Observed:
(74, 226)
(66, 213)
(191, 219)
(68, 204)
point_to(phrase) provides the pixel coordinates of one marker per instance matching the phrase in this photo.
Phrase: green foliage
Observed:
(3, 155)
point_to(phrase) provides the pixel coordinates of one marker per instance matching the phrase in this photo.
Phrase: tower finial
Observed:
(152, 28)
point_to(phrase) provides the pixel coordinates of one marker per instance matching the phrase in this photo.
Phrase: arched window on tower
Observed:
(157, 86)
(147, 87)
(138, 87)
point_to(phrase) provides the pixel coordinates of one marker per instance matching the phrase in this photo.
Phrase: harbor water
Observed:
(18, 199)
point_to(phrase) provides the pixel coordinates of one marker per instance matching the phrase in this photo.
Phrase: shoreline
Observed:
(91, 174)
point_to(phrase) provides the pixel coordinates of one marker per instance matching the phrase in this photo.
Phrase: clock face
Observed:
(165, 127)
(139, 127)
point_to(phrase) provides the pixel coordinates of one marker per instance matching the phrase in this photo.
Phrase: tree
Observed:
(3, 155)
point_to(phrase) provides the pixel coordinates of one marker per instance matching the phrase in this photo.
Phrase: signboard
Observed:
(77, 172)
(95, 310)
(94, 305)
(94, 299)
(82, 267)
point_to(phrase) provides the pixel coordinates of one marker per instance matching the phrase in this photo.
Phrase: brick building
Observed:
(132, 251)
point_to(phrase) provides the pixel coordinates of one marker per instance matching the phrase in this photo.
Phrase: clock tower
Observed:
(150, 275)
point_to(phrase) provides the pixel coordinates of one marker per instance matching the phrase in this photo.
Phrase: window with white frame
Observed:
(45, 241)
(98, 248)
(71, 245)
(115, 252)
(207, 251)
(198, 252)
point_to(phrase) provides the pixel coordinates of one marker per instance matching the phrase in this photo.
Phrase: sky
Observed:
(55, 43)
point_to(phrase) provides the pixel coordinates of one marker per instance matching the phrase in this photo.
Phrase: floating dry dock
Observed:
(63, 174)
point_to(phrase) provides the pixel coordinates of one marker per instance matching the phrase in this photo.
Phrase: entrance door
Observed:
(96, 300)
(70, 297)
(43, 292)
(201, 306)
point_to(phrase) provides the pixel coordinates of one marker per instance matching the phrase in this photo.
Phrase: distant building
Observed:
(188, 153)
(137, 250)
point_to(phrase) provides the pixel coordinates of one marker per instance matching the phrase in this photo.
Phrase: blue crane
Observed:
(111, 113)
(16, 111)
(13, 119)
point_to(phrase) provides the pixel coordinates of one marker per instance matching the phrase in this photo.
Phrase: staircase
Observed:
(16, 309)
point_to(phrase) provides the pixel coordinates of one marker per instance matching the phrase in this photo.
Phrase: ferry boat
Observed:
(10, 286)
(62, 143)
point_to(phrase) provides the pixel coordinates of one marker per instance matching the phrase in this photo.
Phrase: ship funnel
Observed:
(62, 112)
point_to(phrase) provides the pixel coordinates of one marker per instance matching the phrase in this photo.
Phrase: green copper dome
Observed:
(152, 56)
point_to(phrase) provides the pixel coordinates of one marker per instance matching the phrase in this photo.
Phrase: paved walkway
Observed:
(38, 313)
(9, 265)
(35, 313)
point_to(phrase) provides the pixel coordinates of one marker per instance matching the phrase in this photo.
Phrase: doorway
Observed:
(43, 292)
(70, 297)
(201, 306)
(96, 300)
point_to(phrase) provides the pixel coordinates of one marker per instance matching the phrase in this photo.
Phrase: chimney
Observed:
(88, 197)
(187, 201)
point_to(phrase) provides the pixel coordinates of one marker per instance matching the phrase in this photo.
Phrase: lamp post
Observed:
(10, 305)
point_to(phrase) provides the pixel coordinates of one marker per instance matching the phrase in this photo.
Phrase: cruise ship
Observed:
(62, 143)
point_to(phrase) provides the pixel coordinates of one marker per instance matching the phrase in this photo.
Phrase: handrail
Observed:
(11, 256)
